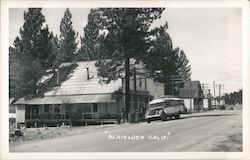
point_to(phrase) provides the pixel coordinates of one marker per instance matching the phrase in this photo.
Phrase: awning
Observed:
(93, 98)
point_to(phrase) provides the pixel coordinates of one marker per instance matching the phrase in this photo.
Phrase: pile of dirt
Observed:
(30, 134)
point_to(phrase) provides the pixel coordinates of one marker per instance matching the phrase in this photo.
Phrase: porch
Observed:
(70, 114)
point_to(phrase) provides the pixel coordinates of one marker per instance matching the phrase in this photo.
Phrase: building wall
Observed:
(20, 113)
(188, 105)
(155, 88)
(206, 104)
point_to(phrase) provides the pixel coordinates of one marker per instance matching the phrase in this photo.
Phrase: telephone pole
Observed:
(135, 90)
(214, 94)
(220, 87)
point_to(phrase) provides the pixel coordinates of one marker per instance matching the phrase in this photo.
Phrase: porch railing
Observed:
(47, 116)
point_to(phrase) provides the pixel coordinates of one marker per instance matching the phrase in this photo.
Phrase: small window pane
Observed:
(46, 108)
(95, 107)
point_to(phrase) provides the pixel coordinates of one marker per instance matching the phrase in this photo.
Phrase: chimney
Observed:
(58, 77)
(87, 73)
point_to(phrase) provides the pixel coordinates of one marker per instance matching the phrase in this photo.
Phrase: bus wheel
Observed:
(148, 120)
(163, 116)
(177, 116)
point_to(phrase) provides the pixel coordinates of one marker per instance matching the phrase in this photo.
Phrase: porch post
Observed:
(30, 112)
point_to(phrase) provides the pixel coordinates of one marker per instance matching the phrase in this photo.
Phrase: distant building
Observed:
(76, 95)
(192, 95)
(207, 99)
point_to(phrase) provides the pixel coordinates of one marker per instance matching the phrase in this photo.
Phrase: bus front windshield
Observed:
(161, 104)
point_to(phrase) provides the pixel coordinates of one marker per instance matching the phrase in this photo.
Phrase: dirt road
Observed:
(207, 131)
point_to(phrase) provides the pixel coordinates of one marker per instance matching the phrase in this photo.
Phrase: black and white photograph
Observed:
(125, 79)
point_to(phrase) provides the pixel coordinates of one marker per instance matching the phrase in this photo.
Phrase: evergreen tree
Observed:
(68, 37)
(92, 41)
(29, 56)
(126, 31)
(233, 98)
(45, 54)
(162, 59)
(30, 33)
(184, 68)
(56, 51)
(15, 69)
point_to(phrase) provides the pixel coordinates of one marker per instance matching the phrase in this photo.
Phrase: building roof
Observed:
(190, 90)
(77, 88)
(77, 82)
(99, 98)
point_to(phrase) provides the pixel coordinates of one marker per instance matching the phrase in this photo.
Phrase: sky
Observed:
(210, 37)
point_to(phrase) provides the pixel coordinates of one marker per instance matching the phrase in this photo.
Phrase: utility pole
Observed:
(135, 90)
(127, 88)
(219, 93)
(214, 94)
(190, 95)
(172, 85)
(127, 78)
(220, 87)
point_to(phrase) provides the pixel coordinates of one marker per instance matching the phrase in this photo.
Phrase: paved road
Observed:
(193, 132)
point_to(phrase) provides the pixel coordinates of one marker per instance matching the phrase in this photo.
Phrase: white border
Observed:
(5, 5)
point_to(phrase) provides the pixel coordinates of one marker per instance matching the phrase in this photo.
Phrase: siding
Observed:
(20, 113)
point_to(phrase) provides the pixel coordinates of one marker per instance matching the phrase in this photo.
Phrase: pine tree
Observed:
(161, 58)
(45, 54)
(56, 51)
(15, 69)
(29, 56)
(30, 33)
(92, 41)
(184, 68)
(126, 31)
(163, 61)
(68, 37)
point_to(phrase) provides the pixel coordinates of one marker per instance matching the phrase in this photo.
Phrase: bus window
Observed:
(181, 102)
(167, 103)
(156, 105)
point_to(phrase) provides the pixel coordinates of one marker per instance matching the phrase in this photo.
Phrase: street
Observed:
(204, 131)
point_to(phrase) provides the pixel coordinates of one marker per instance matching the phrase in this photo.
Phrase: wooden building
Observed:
(192, 95)
(78, 96)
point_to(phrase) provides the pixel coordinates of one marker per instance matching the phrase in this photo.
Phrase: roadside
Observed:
(232, 144)
(37, 134)
(210, 131)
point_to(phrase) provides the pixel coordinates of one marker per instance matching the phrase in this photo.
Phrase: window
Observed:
(167, 103)
(57, 109)
(95, 107)
(86, 108)
(157, 105)
(140, 81)
(181, 102)
(46, 108)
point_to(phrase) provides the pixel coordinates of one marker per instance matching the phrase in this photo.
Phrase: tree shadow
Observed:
(208, 115)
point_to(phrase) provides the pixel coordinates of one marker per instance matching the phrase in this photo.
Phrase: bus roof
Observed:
(159, 100)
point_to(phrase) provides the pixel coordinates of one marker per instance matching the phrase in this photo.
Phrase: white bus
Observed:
(164, 107)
